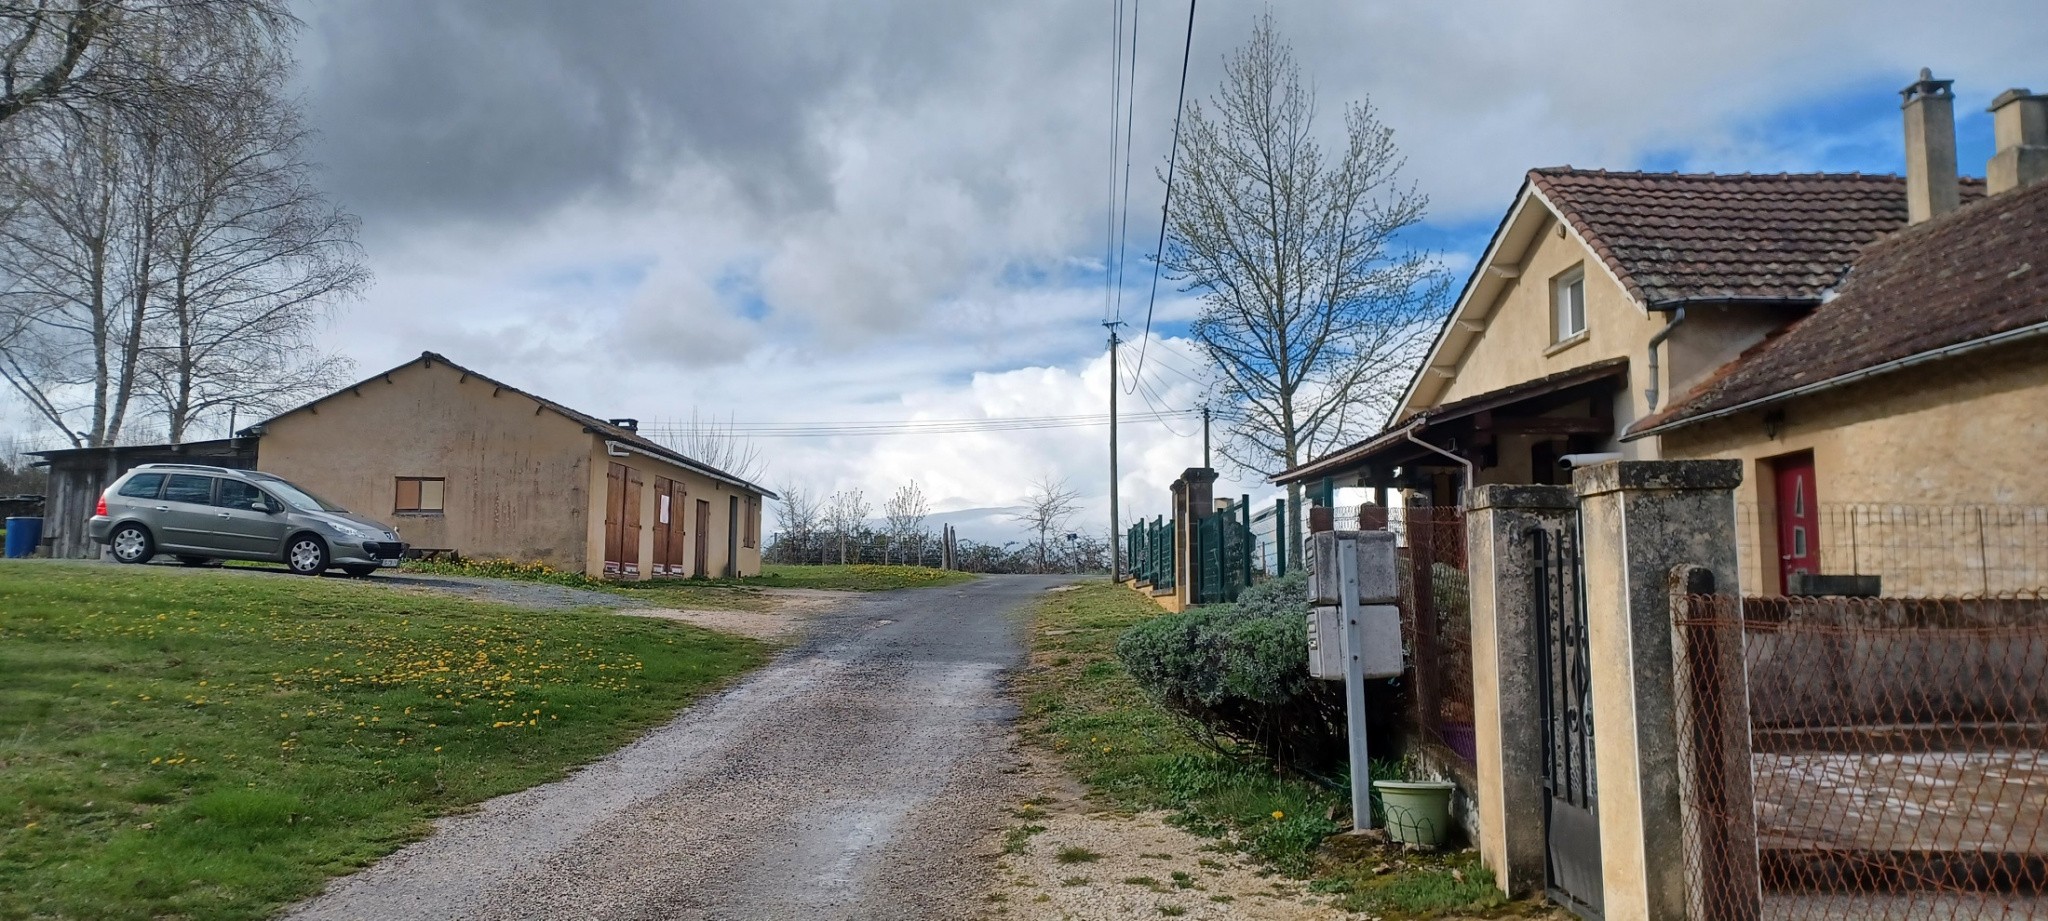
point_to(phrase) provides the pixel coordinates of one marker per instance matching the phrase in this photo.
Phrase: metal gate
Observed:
(1571, 804)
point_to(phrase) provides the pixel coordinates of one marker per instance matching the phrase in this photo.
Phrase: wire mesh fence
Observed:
(1866, 758)
(1915, 550)
(1436, 621)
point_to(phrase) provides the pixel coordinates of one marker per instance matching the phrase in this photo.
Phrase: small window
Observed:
(421, 494)
(143, 486)
(185, 488)
(236, 494)
(1568, 303)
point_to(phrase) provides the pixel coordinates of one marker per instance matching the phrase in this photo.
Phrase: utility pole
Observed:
(1205, 437)
(1116, 543)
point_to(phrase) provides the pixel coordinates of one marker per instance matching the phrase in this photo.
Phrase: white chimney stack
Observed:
(1931, 189)
(2019, 122)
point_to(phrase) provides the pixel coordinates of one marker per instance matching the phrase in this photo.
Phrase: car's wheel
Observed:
(195, 560)
(360, 572)
(131, 543)
(307, 555)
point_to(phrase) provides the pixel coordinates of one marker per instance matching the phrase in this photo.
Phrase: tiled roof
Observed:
(1672, 237)
(1978, 272)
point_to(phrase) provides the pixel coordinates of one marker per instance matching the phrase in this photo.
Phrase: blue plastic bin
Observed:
(23, 534)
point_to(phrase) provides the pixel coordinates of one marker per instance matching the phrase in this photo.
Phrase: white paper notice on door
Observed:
(664, 510)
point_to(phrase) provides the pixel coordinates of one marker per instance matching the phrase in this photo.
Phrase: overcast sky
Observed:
(790, 210)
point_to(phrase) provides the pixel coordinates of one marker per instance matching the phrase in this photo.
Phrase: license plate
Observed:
(388, 564)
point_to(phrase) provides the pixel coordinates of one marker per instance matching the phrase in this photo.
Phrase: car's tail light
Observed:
(101, 509)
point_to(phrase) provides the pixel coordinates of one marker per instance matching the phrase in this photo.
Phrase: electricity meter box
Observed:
(1373, 555)
(1379, 633)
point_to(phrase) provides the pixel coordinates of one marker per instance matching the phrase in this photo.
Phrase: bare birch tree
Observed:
(906, 511)
(1311, 310)
(845, 516)
(90, 55)
(1047, 510)
(172, 255)
(74, 302)
(255, 258)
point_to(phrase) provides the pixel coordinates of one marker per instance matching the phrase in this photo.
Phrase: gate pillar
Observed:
(1194, 498)
(1500, 525)
(1639, 519)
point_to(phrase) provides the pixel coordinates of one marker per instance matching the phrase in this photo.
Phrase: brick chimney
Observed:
(2019, 122)
(1930, 108)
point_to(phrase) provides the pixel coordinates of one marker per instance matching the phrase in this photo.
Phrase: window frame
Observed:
(212, 486)
(1560, 305)
(419, 496)
(161, 479)
(220, 488)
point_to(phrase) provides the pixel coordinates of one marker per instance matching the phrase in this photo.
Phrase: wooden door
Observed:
(1798, 518)
(703, 561)
(614, 518)
(629, 529)
(664, 494)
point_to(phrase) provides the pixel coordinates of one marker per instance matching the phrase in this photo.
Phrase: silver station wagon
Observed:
(201, 514)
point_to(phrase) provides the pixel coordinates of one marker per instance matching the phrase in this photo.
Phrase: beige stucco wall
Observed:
(1518, 343)
(517, 478)
(1919, 451)
(697, 486)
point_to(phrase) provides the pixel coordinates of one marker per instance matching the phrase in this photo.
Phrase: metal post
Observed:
(1354, 684)
(1205, 437)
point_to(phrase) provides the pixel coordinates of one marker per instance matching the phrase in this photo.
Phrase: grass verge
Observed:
(724, 594)
(1080, 703)
(210, 746)
(857, 578)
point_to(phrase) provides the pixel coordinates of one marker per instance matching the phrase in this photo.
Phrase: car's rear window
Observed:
(185, 488)
(143, 486)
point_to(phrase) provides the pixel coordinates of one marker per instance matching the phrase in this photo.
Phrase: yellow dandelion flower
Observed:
(1278, 814)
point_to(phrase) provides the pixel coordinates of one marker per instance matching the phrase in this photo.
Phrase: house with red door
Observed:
(1873, 349)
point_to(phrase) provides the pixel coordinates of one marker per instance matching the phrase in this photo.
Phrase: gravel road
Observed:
(861, 775)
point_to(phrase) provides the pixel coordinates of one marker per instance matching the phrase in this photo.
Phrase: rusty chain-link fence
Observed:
(1864, 758)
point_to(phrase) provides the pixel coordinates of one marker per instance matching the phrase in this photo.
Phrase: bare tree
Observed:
(254, 257)
(800, 515)
(1311, 311)
(74, 256)
(845, 516)
(172, 256)
(1046, 511)
(719, 444)
(906, 511)
(93, 54)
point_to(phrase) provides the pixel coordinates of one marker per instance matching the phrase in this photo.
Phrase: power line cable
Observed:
(1172, 159)
(1116, 86)
(1145, 390)
(1130, 136)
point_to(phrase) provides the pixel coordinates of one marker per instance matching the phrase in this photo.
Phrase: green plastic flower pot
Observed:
(1418, 811)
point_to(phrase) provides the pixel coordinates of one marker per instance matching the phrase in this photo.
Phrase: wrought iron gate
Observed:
(1571, 807)
(1223, 553)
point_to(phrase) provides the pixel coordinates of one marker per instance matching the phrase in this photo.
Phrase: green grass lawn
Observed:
(207, 745)
(715, 594)
(1081, 703)
(856, 577)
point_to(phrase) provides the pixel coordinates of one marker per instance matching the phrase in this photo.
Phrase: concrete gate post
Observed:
(1639, 520)
(1506, 686)
(1194, 498)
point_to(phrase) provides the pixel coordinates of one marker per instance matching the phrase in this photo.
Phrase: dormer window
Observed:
(1568, 304)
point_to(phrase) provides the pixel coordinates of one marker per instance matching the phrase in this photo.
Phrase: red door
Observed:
(1798, 518)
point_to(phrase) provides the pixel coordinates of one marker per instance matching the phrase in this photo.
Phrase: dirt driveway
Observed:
(861, 775)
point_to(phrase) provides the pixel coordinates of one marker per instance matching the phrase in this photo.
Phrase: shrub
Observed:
(1240, 671)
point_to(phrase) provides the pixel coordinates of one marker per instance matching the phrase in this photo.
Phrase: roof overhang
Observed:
(1393, 446)
(1656, 427)
(1500, 267)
